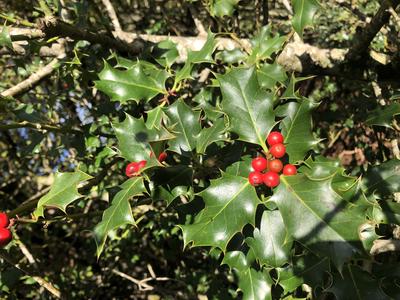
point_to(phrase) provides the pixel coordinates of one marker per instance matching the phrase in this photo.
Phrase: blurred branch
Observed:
(39, 126)
(47, 285)
(363, 37)
(113, 16)
(381, 246)
(32, 80)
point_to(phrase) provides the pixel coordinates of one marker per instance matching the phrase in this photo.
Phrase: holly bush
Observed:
(133, 156)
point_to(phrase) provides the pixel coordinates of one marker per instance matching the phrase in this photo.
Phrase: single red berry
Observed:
(271, 179)
(274, 138)
(162, 156)
(4, 220)
(5, 236)
(278, 150)
(259, 164)
(132, 169)
(289, 170)
(255, 178)
(141, 164)
(275, 165)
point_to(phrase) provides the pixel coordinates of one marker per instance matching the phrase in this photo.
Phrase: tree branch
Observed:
(39, 126)
(32, 80)
(381, 246)
(113, 16)
(363, 38)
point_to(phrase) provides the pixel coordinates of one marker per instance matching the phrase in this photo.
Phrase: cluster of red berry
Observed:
(274, 166)
(5, 233)
(134, 168)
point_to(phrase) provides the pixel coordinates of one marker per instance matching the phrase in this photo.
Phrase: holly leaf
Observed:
(264, 45)
(241, 168)
(166, 53)
(248, 107)
(320, 167)
(330, 224)
(269, 74)
(136, 83)
(296, 127)
(221, 8)
(207, 136)
(63, 192)
(383, 180)
(204, 55)
(255, 285)
(355, 283)
(383, 116)
(307, 269)
(5, 38)
(230, 204)
(134, 137)
(119, 213)
(185, 125)
(271, 243)
(304, 11)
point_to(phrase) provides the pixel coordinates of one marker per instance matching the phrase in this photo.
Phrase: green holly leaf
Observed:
(134, 137)
(231, 56)
(383, 115)
(214, 133)
(208, 104)
(255, 285)
(136, 83)
(230, 204)
(166, 53)
(304, 11)
(5, 39)
(269, 74)
(264, 45)
(63, 192)
(323, 213)
(221, 8)
(320, 167)
(171, 182)
(307, 269)
(241, 168)
(296, 127)
(383, 180)
(204, 55)
(185, 125)
(119, 213)
(271, 243)
(248, 107)
(355, 283)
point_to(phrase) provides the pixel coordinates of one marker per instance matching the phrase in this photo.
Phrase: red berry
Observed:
(162, 156)
(141, 164)
(289, 170)
(4, 220)
(255, 178)
(271, 179)
(278, 150)
(5, 236)
(131, 169)
(275, 165)
(259, 164)
(274, 138)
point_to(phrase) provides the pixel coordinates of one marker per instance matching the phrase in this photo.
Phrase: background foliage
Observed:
(89, 101)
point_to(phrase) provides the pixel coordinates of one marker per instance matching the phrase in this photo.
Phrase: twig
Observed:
(38, 126)
(32, 80)
(47, 285)
(142, 285)
(363, 38)
(381, 246)
(395, 148)
(113, 16)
